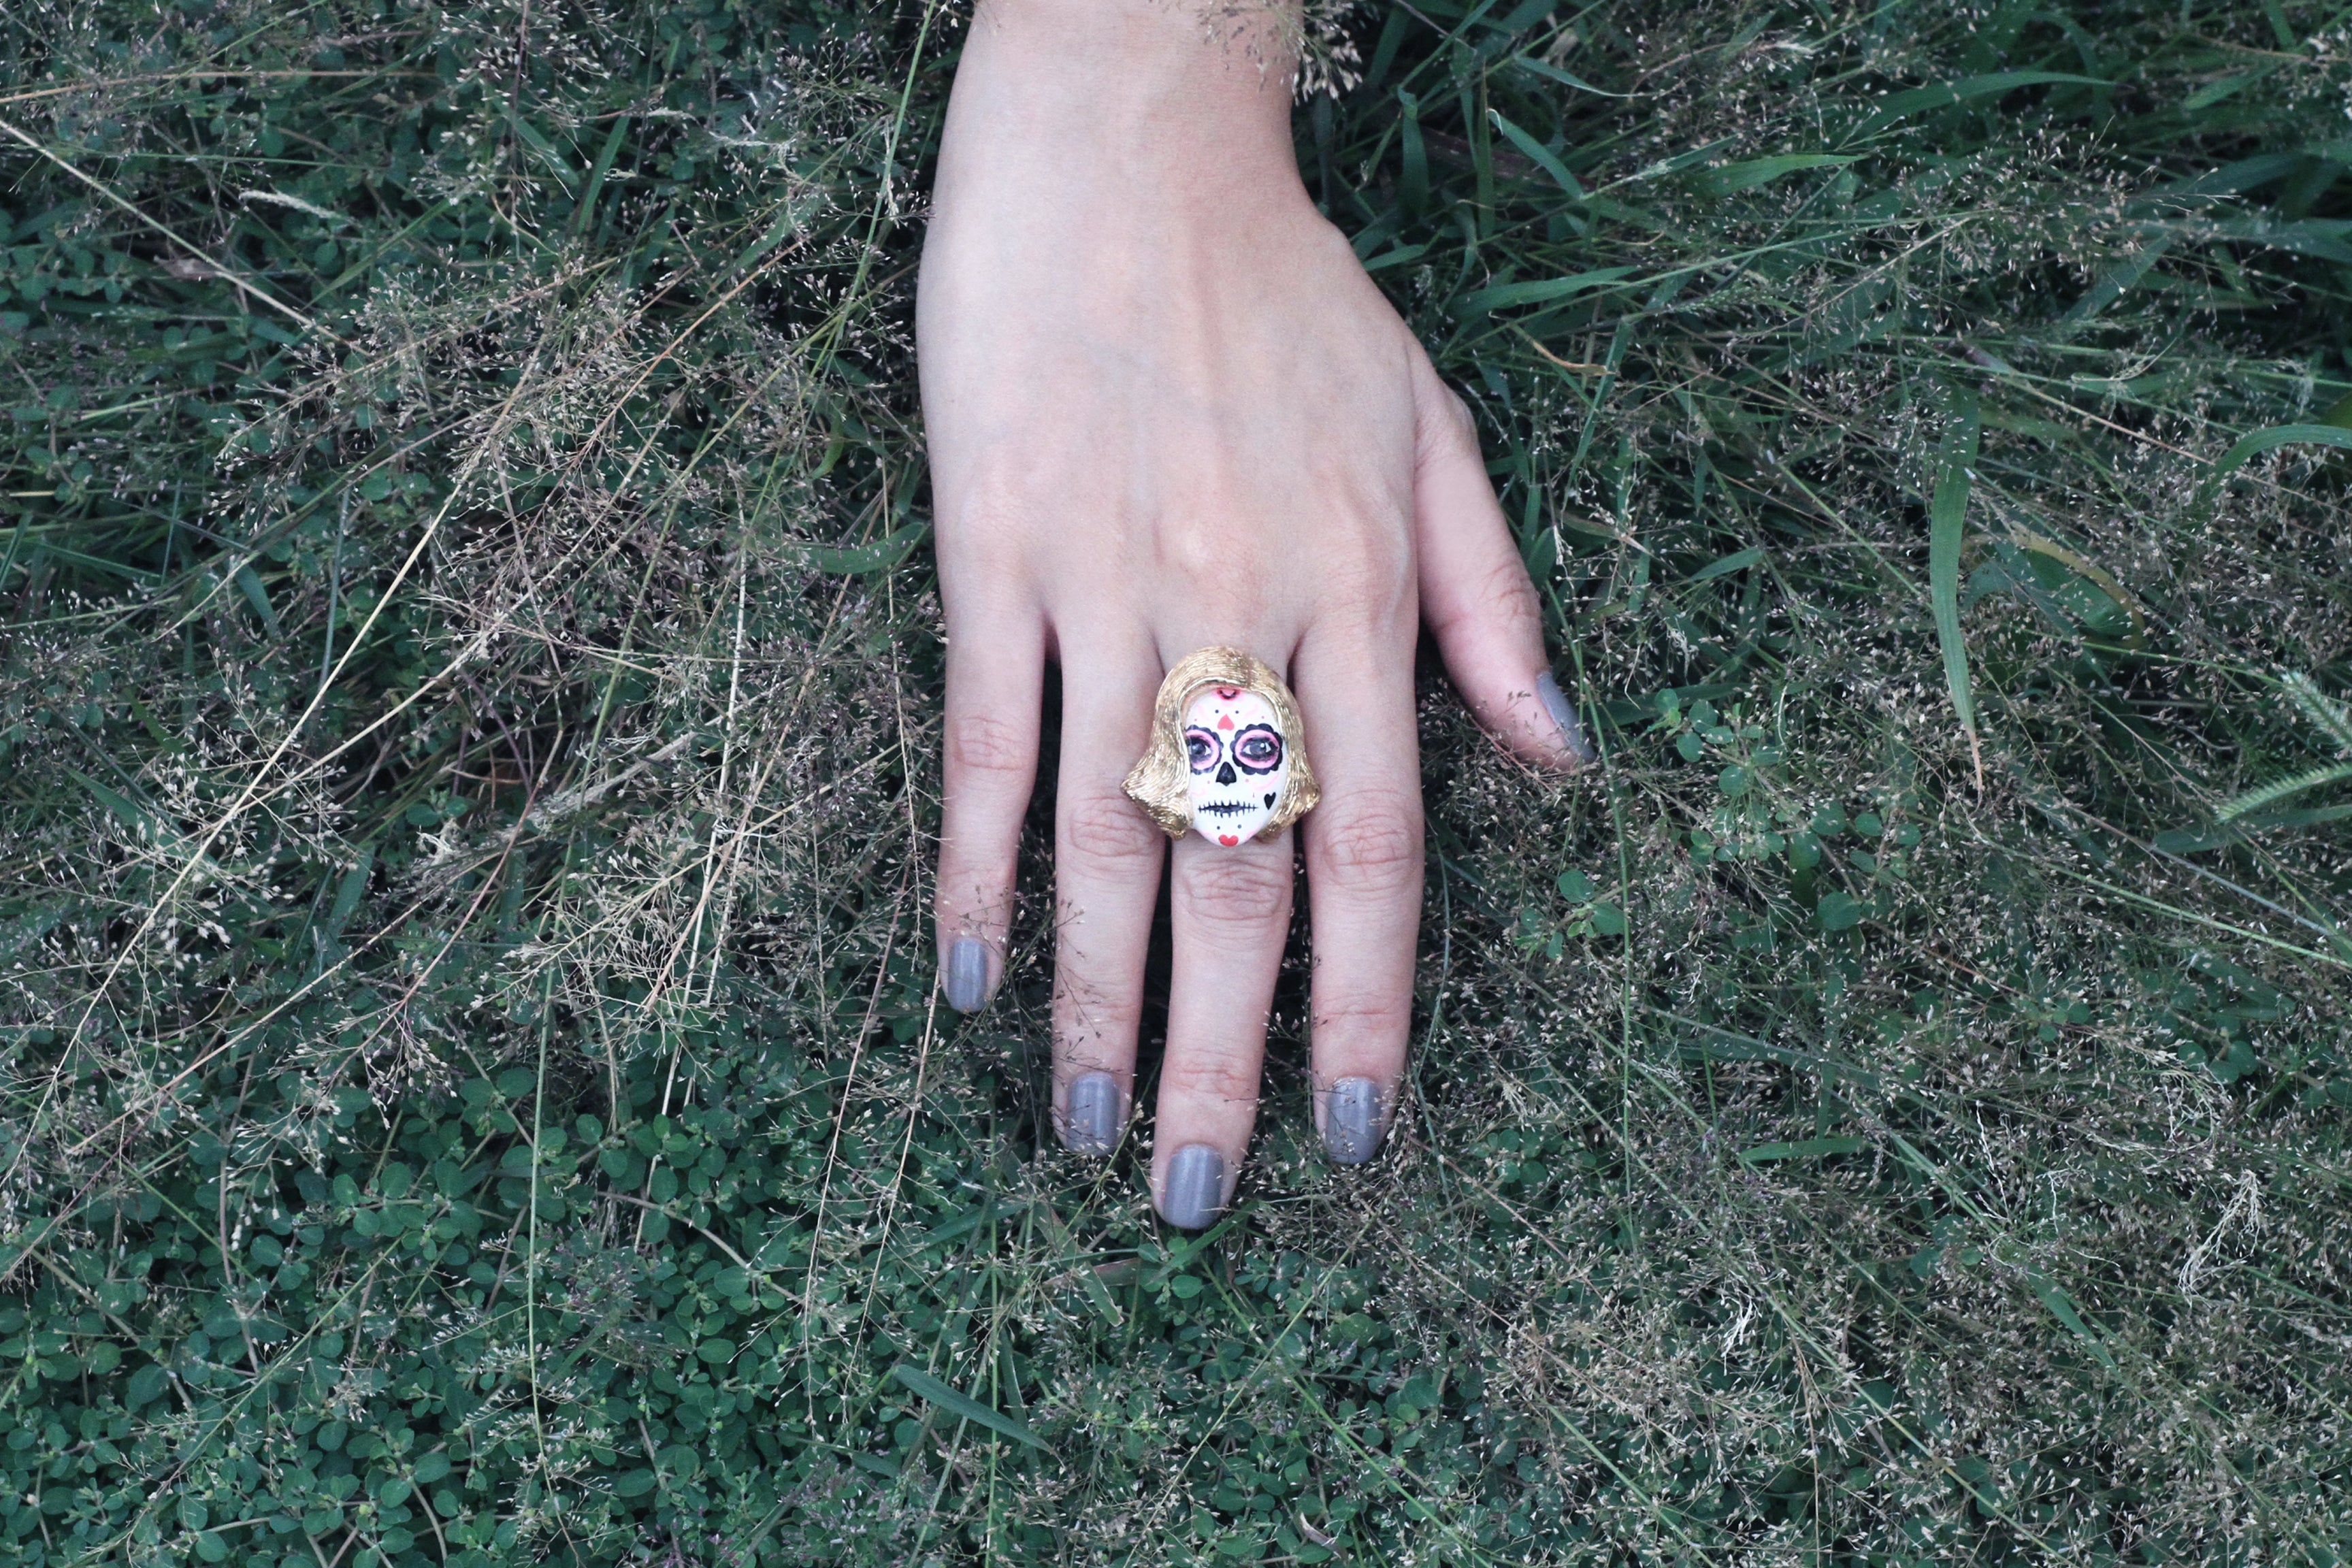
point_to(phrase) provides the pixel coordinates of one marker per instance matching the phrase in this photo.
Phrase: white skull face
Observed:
(1240, 761)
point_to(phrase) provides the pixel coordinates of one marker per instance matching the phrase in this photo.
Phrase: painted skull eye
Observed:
(1258, 748)
(1200, 749)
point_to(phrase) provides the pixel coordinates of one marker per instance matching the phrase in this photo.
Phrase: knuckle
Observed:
(1453, 428)
(1091, 1001)
(1105, 833)
(1509, 592)
(1213, 1073)
(1370, 579)
(1363, 1016)
(1370, 848)
(1242, 890)
(1501, 597)
(984, 746)
(1458, 414)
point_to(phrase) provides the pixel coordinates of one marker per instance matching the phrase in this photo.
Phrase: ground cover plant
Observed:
(474, 1089)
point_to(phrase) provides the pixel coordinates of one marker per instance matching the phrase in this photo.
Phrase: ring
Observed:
(1228, 754)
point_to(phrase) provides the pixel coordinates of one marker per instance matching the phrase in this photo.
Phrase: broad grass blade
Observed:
(929, 1387)
(1956, 456)
(2254, 444)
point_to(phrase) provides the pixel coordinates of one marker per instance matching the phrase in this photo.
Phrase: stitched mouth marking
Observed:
(1226, 807)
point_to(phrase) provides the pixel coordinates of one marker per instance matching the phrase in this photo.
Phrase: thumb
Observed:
(1475, 591)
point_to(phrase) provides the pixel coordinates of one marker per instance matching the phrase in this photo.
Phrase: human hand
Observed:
(1167, 409)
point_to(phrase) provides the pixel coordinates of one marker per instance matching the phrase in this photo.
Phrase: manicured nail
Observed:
(1196, 1188)
(1090, 1126)
(1353, 1121)
(967, 986)
(1555, 703)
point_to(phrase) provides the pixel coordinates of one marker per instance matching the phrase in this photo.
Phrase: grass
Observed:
(474, 1088)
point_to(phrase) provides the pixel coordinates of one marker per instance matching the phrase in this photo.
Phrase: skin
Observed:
(1166, 408)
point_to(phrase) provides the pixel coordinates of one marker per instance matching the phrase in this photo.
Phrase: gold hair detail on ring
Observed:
(1159, 781)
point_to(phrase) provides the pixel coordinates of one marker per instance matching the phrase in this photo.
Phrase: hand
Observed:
(1168, 409)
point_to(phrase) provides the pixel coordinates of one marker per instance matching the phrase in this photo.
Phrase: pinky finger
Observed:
(1475, 593)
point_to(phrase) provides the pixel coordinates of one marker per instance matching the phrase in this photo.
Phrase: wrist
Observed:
(1159, 98)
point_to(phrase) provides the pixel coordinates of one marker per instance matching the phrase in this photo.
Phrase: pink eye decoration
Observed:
(1200, 749)
(1258, 748)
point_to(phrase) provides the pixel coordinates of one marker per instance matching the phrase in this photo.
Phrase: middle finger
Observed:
(1229, 912)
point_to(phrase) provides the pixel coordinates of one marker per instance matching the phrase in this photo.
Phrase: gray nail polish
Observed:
(1353, 1120)
(1196, 1188)
(967, 975)
(1090, 1125)
(1555, 703)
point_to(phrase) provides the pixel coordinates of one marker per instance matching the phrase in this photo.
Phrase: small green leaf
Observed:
(1838, 911)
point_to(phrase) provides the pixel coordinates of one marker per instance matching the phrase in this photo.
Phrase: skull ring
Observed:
(1228, 754)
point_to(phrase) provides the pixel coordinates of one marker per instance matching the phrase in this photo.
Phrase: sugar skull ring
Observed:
(1228, 754)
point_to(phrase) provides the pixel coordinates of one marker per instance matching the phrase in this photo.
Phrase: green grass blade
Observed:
(939, 1394)
(1539, 292)
(1956, 456)
(1803, 1149)
(1546, 70)
(1738, 561)
(1755, 171)
(2117, 280)
(2062, 1307)
(2255, 443)
(1943, 95)
(1543, 157)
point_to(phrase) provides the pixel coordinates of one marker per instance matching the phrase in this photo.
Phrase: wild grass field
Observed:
(474, 1086)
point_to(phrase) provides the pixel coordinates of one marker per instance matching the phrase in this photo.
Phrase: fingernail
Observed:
(1352, 1121)
(967, 975)
(1196, 1188)
(1090, 1125)
(1555, 703)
